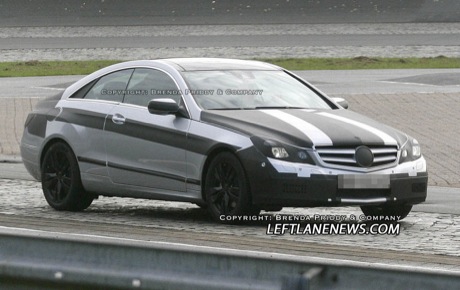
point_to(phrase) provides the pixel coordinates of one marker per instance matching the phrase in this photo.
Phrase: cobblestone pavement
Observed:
(13, 114)
(431, 118)
(426, 239)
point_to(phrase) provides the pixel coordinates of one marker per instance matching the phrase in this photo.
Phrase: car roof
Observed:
(203, 64)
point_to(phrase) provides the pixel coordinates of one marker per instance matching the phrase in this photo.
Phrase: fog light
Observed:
(302, 155)
(404, 153)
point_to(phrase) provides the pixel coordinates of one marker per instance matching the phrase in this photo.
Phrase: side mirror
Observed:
(341, 101)
(163, 106)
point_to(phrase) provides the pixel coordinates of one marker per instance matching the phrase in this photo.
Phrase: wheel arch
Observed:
(50, 143)
(210, 156)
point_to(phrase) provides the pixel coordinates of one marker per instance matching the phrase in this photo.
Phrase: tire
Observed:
(386, 210)
(61, 182)
(227, 190)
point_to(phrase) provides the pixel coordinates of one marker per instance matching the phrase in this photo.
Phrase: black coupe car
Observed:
(234, 136)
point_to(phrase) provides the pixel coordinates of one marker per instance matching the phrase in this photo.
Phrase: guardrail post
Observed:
(306, 281)
(311, 278)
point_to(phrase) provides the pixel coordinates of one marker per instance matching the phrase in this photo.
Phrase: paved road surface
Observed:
(146, 12)
(206, 41)
(426, 239)
(237, 41)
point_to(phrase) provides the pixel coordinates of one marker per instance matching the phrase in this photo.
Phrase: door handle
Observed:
(118, 119)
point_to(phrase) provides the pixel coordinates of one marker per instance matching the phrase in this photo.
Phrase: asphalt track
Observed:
(145, 12)
(114, 29)
(235, 40)
(231, 41)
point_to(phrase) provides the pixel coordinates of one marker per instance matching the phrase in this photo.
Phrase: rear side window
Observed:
(111, 87)
(147, 84)
(80, 94)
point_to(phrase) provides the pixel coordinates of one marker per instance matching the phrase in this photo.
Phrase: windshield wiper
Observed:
(278, 107)
(223, 109)
(258, 108)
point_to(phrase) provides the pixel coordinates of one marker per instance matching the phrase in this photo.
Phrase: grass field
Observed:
(364, 63)
(52, 68)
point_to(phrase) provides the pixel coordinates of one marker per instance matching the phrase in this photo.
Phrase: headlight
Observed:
(410, 151)
(279, 152)
(416, 152)
(282, 151)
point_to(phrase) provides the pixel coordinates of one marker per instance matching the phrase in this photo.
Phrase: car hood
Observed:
(307, 128)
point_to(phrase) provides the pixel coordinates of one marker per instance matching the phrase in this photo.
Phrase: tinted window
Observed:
(80, 94)
(111, 87)
(148, 84)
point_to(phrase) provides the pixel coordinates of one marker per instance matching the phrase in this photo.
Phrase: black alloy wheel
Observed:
(227, 190)
(61, 181)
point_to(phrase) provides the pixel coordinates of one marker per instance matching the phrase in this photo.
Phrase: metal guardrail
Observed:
(42, 260)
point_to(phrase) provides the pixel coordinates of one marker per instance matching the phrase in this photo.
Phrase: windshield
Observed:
(242, 89)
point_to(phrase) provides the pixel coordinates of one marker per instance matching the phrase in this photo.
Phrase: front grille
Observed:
(363, 193)
(345, 156)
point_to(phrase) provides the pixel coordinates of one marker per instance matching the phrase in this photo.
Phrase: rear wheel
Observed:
(227, 190)
(61, 182)
(386, 210)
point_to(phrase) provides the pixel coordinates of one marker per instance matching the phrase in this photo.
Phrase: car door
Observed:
(145, 149)
(85, 112)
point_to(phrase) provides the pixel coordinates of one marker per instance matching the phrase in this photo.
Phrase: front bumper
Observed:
(280, 183)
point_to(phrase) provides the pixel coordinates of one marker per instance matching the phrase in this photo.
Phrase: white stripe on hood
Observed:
(318, 137)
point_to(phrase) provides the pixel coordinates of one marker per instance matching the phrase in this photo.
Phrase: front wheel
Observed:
(399, 211)
(227, 190)
(61, 181)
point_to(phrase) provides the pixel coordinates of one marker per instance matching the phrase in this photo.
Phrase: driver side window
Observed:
(147, 84)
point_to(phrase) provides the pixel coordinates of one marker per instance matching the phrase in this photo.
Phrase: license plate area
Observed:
(363, 181)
